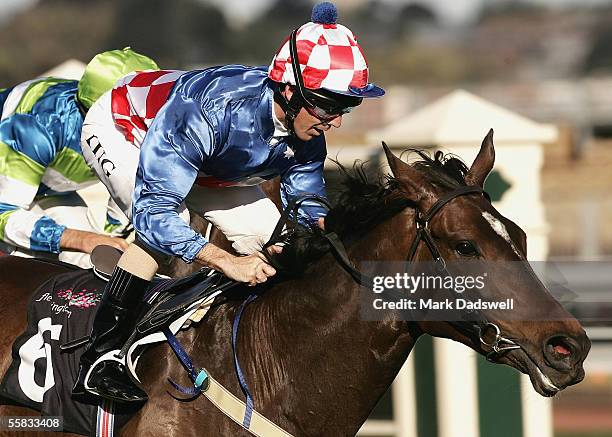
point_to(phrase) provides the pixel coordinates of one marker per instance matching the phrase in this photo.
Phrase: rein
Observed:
(290, 216)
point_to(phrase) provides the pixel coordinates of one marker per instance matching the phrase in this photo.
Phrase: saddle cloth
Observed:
(62, 310)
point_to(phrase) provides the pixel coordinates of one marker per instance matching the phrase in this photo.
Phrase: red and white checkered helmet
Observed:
(329, 57)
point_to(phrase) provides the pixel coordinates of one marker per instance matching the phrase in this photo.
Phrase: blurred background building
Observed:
(549, 61)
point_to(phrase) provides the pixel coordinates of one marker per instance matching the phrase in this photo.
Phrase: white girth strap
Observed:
(234, 408)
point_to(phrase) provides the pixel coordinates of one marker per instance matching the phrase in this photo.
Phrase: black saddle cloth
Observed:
(62, 310)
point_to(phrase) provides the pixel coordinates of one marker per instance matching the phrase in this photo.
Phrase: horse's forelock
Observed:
(443, 170)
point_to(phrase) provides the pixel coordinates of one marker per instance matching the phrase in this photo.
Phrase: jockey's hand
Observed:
(85, 241)
(321, 223)
(251, 269)
(275, 249)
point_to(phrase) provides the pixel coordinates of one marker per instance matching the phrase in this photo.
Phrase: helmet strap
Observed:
(290, 107)
(298, 99)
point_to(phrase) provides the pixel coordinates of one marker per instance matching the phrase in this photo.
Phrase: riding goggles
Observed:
(327, 115)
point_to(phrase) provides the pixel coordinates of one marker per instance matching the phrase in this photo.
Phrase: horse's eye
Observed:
(465, 248)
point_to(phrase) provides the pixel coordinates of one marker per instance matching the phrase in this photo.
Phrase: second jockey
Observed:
(159, 133)
(41, 163)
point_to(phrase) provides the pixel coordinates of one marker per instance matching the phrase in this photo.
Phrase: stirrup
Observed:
(109, 378)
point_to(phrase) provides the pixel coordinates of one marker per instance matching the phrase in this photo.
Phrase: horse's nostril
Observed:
(560, 348)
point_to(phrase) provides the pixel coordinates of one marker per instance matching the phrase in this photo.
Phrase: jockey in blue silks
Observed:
(41, 163)
(159, 135)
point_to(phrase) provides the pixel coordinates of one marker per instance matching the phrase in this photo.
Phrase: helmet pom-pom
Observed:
(324, 13)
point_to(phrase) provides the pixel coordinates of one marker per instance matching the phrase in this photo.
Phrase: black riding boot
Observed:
(113, 323)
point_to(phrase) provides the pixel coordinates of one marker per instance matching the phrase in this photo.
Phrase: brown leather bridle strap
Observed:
(422, 222)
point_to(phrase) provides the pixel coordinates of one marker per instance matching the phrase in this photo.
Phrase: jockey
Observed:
(161, 134)
(41, 165)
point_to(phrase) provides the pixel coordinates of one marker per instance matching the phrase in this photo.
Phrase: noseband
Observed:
(475, 324)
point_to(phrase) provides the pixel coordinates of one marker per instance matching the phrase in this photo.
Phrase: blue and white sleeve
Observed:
(26, 149)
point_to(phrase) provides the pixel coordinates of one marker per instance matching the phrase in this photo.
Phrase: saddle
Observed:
(166, 300)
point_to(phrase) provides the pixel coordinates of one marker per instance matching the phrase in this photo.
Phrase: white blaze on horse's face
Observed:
(500, 229)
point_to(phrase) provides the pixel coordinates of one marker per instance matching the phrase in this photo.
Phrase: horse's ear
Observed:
(396, 164)
(411, 179)
(483, 163)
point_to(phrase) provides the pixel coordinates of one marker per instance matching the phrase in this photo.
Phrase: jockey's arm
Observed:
(85, 241)
(307, 178)
(178, 142)
(26, 150)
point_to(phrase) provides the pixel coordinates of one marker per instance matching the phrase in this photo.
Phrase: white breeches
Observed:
(69, 210)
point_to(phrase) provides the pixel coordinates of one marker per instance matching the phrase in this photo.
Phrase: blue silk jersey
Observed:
(40, 154)
(217, 125)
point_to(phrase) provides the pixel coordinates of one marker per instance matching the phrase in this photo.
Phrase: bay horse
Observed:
(314, 366)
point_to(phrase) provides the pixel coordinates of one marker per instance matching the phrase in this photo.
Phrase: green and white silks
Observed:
(40, 150)
(40, 154)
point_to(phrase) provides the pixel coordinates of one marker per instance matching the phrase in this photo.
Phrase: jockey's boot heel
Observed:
(113, 324)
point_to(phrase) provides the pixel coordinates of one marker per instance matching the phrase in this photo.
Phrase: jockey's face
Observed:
(306, 125)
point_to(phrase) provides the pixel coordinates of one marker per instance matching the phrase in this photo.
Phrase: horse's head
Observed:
(541, 338)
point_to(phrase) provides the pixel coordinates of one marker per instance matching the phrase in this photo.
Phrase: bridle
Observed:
(474, 323)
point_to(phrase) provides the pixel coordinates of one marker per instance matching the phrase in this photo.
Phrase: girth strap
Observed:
(222, 398)
(235, 409)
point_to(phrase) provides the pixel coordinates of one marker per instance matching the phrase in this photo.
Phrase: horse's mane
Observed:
(361, 204)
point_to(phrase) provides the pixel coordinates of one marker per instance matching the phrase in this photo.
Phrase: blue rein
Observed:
(241, 379)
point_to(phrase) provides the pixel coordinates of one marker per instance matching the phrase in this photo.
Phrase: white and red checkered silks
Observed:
(329, 57)
(135, 101)
(137, 98)
(115, 126)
